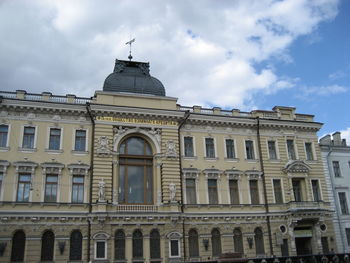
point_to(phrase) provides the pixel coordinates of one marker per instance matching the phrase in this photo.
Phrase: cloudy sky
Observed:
(233, 54)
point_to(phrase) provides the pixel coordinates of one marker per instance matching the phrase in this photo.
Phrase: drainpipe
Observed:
(88, 108)
(335, 197)
(183, 121)
(264, 187)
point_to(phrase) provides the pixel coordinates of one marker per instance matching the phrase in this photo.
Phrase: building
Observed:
(336, 159)
(131, 176)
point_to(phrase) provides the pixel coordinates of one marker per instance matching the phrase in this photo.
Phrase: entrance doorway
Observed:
(303, 245)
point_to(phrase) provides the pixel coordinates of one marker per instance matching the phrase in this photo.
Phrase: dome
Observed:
(133, 77)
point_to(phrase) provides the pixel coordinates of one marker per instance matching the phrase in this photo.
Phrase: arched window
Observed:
(18, 246)
(135, 171)
(137, 245)
(76, 242)
(193, 243)
(119, 245)
(47, 246)
(259, 241)
(216, 242)
(155, 244)
(238, 240)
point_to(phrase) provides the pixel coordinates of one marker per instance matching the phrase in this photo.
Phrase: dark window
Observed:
(336, 169)
(259, 241)
(23, 187)
(76, 242)
(193, 243)
(347, 231)
(155, 244)
(100, 249)
(213, 191)
(249, 149)
(291, 150)
(188, 142)
(119, 245)
(55, 139)
(238, 241)
(174, 248)
(343, 203)
(3, 135)
(216, 242)
(80, 140)
(78, 189)
(230, 149)
(325, 247)
(28, 137)
(47, 246)
(277, 190)
(191, 191)
(209, 147)
(1, 179)
(298, 197)
(234, 193)
(137, 245)
(254, 192)
(18, 246)
(272, 150)
(316, 190)
(309, 153)
(135, 172)
(284, 248)
(51, 188)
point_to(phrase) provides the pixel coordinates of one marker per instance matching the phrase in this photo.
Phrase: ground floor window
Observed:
(18, 245)
(100, 249)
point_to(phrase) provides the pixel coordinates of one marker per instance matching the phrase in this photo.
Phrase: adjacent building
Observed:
(336, 159)
(129, 175)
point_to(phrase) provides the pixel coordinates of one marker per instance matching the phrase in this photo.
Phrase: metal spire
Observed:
(129, 43)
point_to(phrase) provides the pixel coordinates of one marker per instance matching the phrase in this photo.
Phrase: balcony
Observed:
(307, 206)
(136, 208)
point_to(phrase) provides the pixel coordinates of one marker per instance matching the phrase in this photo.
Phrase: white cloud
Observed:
(345, 134)
(69, 46)
(323, 90)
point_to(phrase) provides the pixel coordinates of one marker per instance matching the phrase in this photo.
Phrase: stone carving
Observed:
(31, 116)
(144, 68)
(159, 197)
(296, 167)
(172, 192)
(170, 149)
(119, 66)
(115, 197)
(156, 133)
(101, 192)
(103, 145)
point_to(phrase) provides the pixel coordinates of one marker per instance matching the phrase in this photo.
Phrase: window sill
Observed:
(53, 151)
(274, 160)
(231, 159)
(79, 152)
(27, 149)
(211, 158)
(252, 160)
(4, 149)
(190, 157)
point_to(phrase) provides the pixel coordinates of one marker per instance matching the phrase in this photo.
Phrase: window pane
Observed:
(216, 243)
(291, 150)
(259, 242)
(23, 188)
(272, 150)
(80, 140)
(136, 184)
(212, 191)
(191, 191)
(336, 169)
(155, 244)
(193, 243)
(188, 141)
(209, 147)
(297, 190)
(137, 245)
(234, 193)
(249, 150)
(100, 249)
(308, 149)
(230, 149)
(136, 146)
(18, 246)
(119, 245)
(343, 203)
(238, 241)
(347, 230)
(55, 139)
(174, 248)
(277, 190)
(47, 246)
(78, 189)
(316, 190)
(3, 135)
(28, 137)
(75, 250)
(254, 192)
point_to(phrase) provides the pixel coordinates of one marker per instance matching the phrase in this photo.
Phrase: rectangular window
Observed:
(3, 135)
(230, 149)
(325, 246)
(284, 248)
(309, 153)
(78, 189)
(254, 192)
(80, 140)
(188, 142)
(234, 193)
(55, 139)
(100, 249)
(291, 150)
(347, 231)
(174, 248)
(28, 137)
(272, 150)
(191, 191)
(249, 149)
(336, 169)
(209, 147)
(277, 188)
(51, 188)
(297, 190)
(343, 203)
(213, 191)
(316, 190)
(23, 189)
(1, 179)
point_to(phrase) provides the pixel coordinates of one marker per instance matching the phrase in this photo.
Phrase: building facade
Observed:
(336, 158)
(131, 176)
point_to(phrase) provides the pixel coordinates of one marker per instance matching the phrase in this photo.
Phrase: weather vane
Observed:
(129, 43)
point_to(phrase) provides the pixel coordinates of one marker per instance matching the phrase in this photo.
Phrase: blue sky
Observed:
(245, 54)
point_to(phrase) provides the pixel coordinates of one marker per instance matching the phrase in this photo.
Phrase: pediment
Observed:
(296, 167)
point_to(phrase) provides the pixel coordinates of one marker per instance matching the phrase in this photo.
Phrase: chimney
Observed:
(325, 140)
(336, 139)
(343, 142)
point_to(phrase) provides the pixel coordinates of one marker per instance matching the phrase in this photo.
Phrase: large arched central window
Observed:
(135, 171)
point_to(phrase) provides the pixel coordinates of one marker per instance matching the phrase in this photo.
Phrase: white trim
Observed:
(95, 248)
(178, 245)
(193, 145)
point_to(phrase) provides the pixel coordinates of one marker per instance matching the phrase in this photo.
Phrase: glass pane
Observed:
(188, 141)
(78, 179)
(135, 146)
(122, 183)
(149, 186)
(51, 179)
(100, 249)
(76, 239)
(136, 184)
(24, 178)
(122, 148)
(174, 247)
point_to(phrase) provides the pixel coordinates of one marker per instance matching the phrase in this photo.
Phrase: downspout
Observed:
(334, 197)
(88, 108)
(186, 116)
(264, 187)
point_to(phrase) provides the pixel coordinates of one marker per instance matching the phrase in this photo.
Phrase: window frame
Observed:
(275, 148)
(49, 139)
(105, 249)
(230, 189)
(7, 137)
(253, 150)
(75, 140)
(193, 243)
(295, 150)
(79, 184)
(206, 149)
(184, 146)
(216, 190)
(346, 203)
(25, 183)
(51, 184)
(257, 190)
(121, 239)
(219, 244)
(339, 174)
(234, 149)
(23, 136)
(319, 190)
(193, 189)
(312, 151)
(80, 246)
(281, 190)
(347, 233)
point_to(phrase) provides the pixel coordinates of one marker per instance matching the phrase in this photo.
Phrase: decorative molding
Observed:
(52, 168)
(103, 146)
(296, 166)
(78, 169)
(171, 149)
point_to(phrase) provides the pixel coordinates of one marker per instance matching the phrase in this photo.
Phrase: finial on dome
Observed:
(129, 43)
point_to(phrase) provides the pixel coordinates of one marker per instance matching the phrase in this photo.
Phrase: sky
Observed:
(248, 54)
